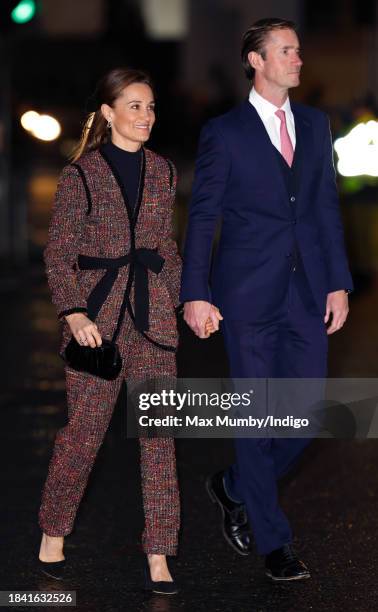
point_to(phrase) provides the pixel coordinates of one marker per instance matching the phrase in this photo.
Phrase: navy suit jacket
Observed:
(239, 177)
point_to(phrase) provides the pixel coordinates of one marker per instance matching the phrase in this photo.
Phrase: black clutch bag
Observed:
(103, 361)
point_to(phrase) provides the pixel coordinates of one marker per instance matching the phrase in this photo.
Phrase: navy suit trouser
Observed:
(294, 345)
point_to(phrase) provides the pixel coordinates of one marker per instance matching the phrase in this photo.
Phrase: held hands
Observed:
(202, 317)
(84, 330)
(337, 305)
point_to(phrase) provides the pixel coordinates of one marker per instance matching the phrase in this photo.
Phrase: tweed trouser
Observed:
(91, 401)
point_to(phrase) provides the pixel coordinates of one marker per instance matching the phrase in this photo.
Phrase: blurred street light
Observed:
(28, 120)
(166, 19)
(24, 11)
(358, 151)
(43, 127)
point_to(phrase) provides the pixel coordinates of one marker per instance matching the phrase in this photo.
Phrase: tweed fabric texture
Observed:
(105, 232)
(91, 401)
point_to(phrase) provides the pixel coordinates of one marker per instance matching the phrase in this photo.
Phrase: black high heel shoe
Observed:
(163, 586)
(54, 569)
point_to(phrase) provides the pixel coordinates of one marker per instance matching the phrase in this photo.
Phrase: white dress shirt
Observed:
(266, 111)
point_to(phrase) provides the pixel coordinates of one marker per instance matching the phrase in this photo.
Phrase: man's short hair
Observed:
(255, 38)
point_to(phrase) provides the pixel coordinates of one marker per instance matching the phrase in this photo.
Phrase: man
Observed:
(281, 275)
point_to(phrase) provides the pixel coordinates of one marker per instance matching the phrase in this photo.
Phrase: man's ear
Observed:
(255, 60)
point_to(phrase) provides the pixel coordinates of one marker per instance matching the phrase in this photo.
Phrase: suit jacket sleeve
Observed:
(211, 174)
(167, 245)
(328, 207)
(62, 249)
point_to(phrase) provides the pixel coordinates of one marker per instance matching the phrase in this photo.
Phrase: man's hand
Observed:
(197, 313)
(337, 305)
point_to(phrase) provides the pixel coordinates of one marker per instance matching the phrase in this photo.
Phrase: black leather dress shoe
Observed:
(235, 525)
(283, 565)
(163, 587)
(54, 569)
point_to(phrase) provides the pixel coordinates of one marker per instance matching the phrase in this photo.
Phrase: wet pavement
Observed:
(332, 498)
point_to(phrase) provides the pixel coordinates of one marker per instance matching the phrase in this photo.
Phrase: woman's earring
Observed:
(109, 124)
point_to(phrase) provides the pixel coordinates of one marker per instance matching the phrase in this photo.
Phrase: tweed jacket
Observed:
(94, 222)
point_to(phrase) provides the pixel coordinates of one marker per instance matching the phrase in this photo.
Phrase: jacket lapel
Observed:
(255, 132)
(305, 143)
(303, 148)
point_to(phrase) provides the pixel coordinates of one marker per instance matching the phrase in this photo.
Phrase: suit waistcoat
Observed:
(292, 177)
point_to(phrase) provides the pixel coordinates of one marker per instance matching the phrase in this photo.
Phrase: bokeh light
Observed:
(358, 150)
(28, 120)
(43, 127)
(24, 11)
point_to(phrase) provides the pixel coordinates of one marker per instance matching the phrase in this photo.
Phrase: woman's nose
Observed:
(144, 113)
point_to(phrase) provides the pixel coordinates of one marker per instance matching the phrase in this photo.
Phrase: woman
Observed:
(112, 222)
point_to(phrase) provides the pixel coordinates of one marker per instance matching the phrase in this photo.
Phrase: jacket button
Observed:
(289, 254)
(294, 222)
(292, 199)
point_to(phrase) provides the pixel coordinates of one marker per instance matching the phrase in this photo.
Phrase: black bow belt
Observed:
(140, 260)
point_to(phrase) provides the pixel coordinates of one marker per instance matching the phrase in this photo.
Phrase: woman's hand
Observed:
(209, 326)
(84, 330)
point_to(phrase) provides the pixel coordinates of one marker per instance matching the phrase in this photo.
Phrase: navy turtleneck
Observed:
(127, 165)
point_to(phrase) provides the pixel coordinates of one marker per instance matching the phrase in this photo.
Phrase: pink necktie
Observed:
(286, 144)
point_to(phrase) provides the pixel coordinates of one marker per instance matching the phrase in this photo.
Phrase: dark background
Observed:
(192, 49)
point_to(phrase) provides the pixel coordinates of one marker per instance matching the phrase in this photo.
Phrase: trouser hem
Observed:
(270, 550)
(55, 532)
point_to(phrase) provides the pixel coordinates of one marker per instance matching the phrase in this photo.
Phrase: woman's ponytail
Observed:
(95, 133)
